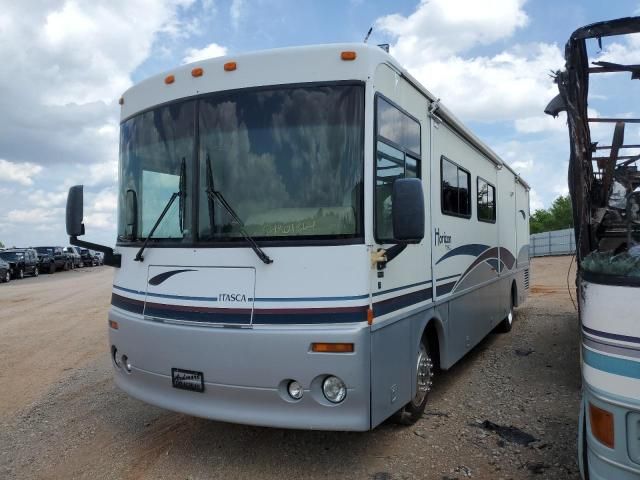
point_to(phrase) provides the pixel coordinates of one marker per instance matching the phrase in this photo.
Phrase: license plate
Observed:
(187, 380)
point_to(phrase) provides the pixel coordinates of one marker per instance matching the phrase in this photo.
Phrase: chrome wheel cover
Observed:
(424, 373)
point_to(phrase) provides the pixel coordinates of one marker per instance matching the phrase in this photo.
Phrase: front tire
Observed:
(52, 268)
(413, 411)
(7, 276)
(21, 273)
(36, 271)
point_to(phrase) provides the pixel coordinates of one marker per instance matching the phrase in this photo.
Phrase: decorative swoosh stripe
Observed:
(158, 279)
(472, 249)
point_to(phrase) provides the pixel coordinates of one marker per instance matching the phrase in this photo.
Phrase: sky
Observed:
(65, 64)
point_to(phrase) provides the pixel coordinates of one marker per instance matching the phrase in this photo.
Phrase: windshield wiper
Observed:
(213, 195)
(181, 193)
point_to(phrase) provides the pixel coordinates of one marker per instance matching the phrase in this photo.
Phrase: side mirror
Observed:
(407, 210)
(75, 227)
(131, 213)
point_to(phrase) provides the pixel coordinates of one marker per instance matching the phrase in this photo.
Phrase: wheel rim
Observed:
(7, 277)
(21, 274)
(36, 271)
(424, 373)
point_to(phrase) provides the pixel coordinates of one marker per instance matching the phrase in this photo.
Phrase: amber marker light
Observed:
(113, 324)
(332, 347)
(348, 55)
(197, 72)
(601, 425)
(169, 79)
(370, 315)
(230, 66)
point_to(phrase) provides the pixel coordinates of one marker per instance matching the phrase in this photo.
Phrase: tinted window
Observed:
(289, 161)
(486, 201)
(398, 127)
(397, 156)
(456, 190)
(153, 146)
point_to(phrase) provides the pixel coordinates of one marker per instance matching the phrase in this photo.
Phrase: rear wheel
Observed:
(52, 268)
(36, 271)
(506, 324)
(7, 276)
(21, 273)
(412, 411)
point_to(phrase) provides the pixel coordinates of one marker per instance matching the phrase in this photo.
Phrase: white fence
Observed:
(558, 242)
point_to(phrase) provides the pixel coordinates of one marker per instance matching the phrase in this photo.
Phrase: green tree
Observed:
(557, 217)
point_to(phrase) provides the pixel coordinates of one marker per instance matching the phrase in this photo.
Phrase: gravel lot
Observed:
(62, 417)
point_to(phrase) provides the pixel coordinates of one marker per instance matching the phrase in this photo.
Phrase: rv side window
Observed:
(486, 201)
(397, 156)
(456, 190)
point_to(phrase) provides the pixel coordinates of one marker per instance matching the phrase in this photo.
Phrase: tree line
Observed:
(557, 217)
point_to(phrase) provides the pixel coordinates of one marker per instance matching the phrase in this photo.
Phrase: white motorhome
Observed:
(305, 235)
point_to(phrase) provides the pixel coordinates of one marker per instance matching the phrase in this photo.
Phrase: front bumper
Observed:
(606, 463)
(246, 371)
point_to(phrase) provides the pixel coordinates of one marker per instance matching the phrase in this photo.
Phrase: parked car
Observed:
(52, 259)
(87, 257)
(22, 261)
(5, 271)
(73, 255)
(98, 259)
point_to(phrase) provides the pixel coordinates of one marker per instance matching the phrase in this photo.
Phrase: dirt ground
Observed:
(62, 417)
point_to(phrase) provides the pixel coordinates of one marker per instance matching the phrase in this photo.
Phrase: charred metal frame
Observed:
(589, 188)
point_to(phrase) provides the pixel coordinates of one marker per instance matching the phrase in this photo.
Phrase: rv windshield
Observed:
(288, 160)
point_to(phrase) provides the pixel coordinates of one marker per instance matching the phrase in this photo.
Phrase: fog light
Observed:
(116, 358)
(334, 389)
(126, 362)
(295, 390)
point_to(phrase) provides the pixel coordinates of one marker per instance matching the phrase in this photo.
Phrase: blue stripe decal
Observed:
(447, 278)
(613, 336)
(444, 288)
(376, 294)
(283, 299)
(161, 295)
(614, 365)
(310, 299)
(472, 249)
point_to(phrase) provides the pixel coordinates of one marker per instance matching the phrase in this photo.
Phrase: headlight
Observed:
(295, 390)
(334, 389)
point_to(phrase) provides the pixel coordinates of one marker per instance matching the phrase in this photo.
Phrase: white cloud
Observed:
(626, 53)
(210, 51)
(40, 198)
(440, 28)
(21, 173)
(33, 216)
(535, 203)
(542, 123)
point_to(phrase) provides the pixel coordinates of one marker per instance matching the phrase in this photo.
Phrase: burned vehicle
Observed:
(604, 183)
